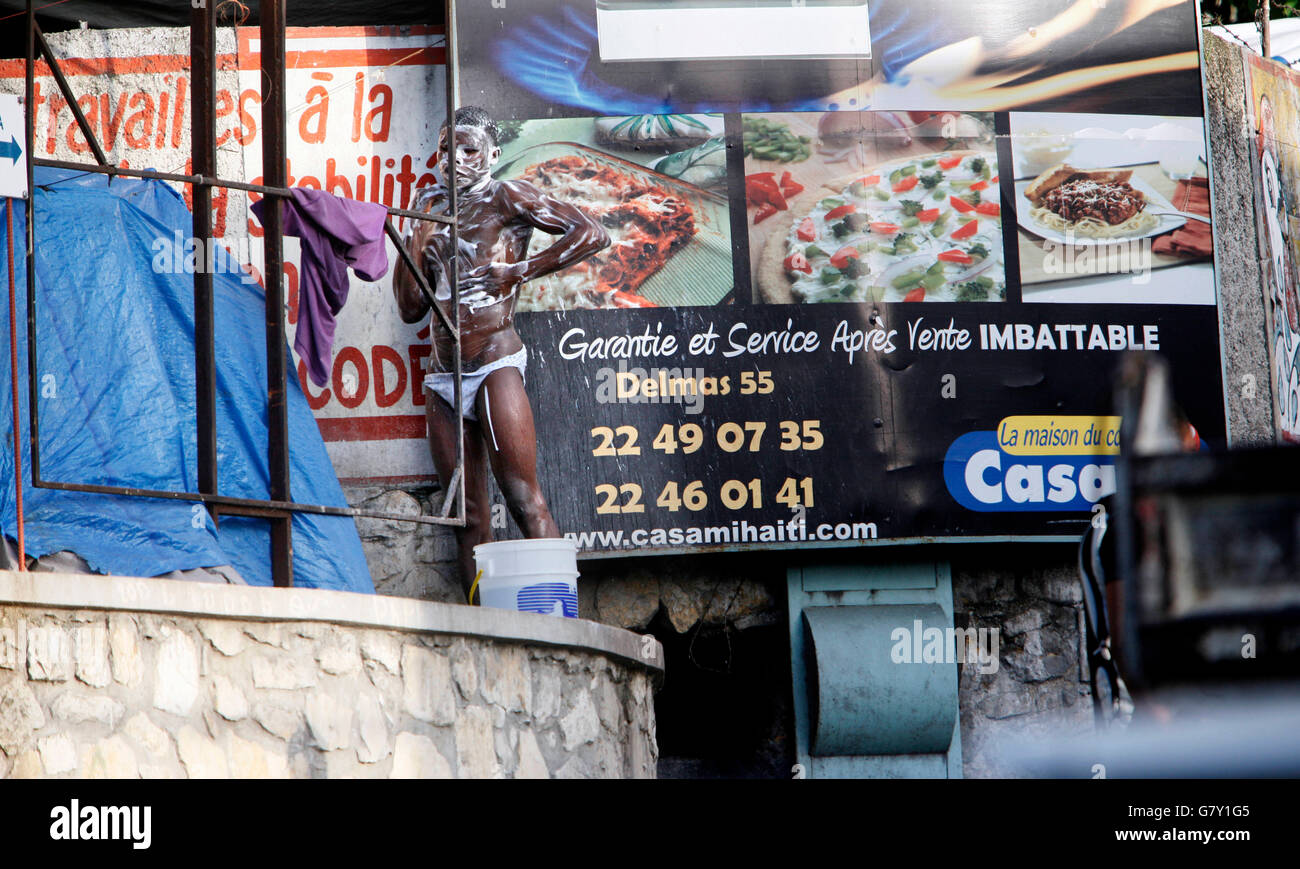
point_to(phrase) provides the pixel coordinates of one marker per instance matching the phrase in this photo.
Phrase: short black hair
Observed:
(473, 116)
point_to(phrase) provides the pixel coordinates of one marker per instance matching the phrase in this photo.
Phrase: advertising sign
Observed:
(13, 162)
(1274, 94)
(851, 299)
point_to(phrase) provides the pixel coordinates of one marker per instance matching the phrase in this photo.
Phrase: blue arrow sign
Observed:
(11, 149)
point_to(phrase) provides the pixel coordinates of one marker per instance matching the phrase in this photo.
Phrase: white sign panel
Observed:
(13, 162)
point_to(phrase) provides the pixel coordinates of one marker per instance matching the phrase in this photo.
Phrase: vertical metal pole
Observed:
(33, 402)
(203, 151)
(13, 372)
(273, 171)
(449, 41)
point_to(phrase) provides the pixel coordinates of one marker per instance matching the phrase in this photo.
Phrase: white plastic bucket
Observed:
(537, 576)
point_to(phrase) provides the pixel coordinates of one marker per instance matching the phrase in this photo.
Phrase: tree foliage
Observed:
(1235, 11)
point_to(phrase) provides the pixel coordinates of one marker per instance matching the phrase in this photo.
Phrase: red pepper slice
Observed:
(884, 228)
(949, 162)
(917, 295)
(837, 213)
(807, 230)
(992, 209)
(956, 256)
(761, 189)
(980, 185)
(797, 262)
(961, 205)
(841, 257)
(906, 184)
(929, 215)
(765, 211)
(966, 231)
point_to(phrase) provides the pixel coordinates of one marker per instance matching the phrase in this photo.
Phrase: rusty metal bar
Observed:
(449, 41)
(228, 503)
(283, 192)
(272, 15)
(68, 95)
(203, 161)
(33, 403)
(13, 368)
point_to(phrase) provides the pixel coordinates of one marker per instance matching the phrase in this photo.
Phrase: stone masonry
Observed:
(95, 694)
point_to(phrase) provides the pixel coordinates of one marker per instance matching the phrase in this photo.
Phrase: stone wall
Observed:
(1242, 319)
(102, 691)
(1033, 596)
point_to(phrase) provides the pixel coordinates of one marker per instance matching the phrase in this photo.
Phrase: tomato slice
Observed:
(797, 262)
(917, 295)
(961, 205)
(906, 184)
(992, 209)
(837, 213)
(929, 215)
(807, 230)
(980, 185)
(842, 256)
(794, 188)
(884, 228)
(993, 180)
(949, 162)
(956, 256)
(765, 211)
(869, 179)
(966, 231)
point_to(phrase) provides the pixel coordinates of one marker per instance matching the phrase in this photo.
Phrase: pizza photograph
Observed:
(657, 183)
(873, 207)
(1112, 209)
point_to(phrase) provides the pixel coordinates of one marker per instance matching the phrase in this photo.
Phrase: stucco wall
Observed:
(283, 683)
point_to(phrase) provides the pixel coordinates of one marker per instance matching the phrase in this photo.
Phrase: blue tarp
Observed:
(115, 375)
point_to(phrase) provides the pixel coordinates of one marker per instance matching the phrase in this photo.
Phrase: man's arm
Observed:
(580, 235)
(411, 303)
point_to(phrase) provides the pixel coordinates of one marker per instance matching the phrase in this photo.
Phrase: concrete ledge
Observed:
(171, 597)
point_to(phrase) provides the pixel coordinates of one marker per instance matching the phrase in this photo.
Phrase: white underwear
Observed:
(443, 384)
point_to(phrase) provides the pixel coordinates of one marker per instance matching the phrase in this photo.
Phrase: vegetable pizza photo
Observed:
(908, 224)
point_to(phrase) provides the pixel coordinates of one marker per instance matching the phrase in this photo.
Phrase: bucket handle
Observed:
(473, 588)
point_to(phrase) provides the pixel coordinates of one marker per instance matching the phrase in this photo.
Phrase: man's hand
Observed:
(494, 278)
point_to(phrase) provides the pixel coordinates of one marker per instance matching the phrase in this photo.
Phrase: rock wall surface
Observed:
(99, 693)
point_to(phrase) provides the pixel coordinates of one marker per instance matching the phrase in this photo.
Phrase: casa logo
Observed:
(1051, 463)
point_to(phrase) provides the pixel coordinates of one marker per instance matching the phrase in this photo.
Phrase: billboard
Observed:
(880, 289)
(1273, 92)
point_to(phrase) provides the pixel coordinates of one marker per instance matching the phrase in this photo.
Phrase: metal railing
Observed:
(278, 508)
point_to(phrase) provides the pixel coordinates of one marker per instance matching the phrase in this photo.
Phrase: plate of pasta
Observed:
(1093, 206)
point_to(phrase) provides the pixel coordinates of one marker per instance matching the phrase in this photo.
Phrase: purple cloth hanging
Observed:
(336, 233)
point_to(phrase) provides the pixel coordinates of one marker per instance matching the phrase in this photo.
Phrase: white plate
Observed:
(1155, 202)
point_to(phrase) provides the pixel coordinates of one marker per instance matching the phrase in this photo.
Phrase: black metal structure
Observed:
(279, 507)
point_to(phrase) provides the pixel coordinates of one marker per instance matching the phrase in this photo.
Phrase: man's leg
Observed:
(441, 420)
(507, 423)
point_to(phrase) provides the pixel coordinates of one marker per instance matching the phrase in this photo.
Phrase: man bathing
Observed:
(495, 222)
